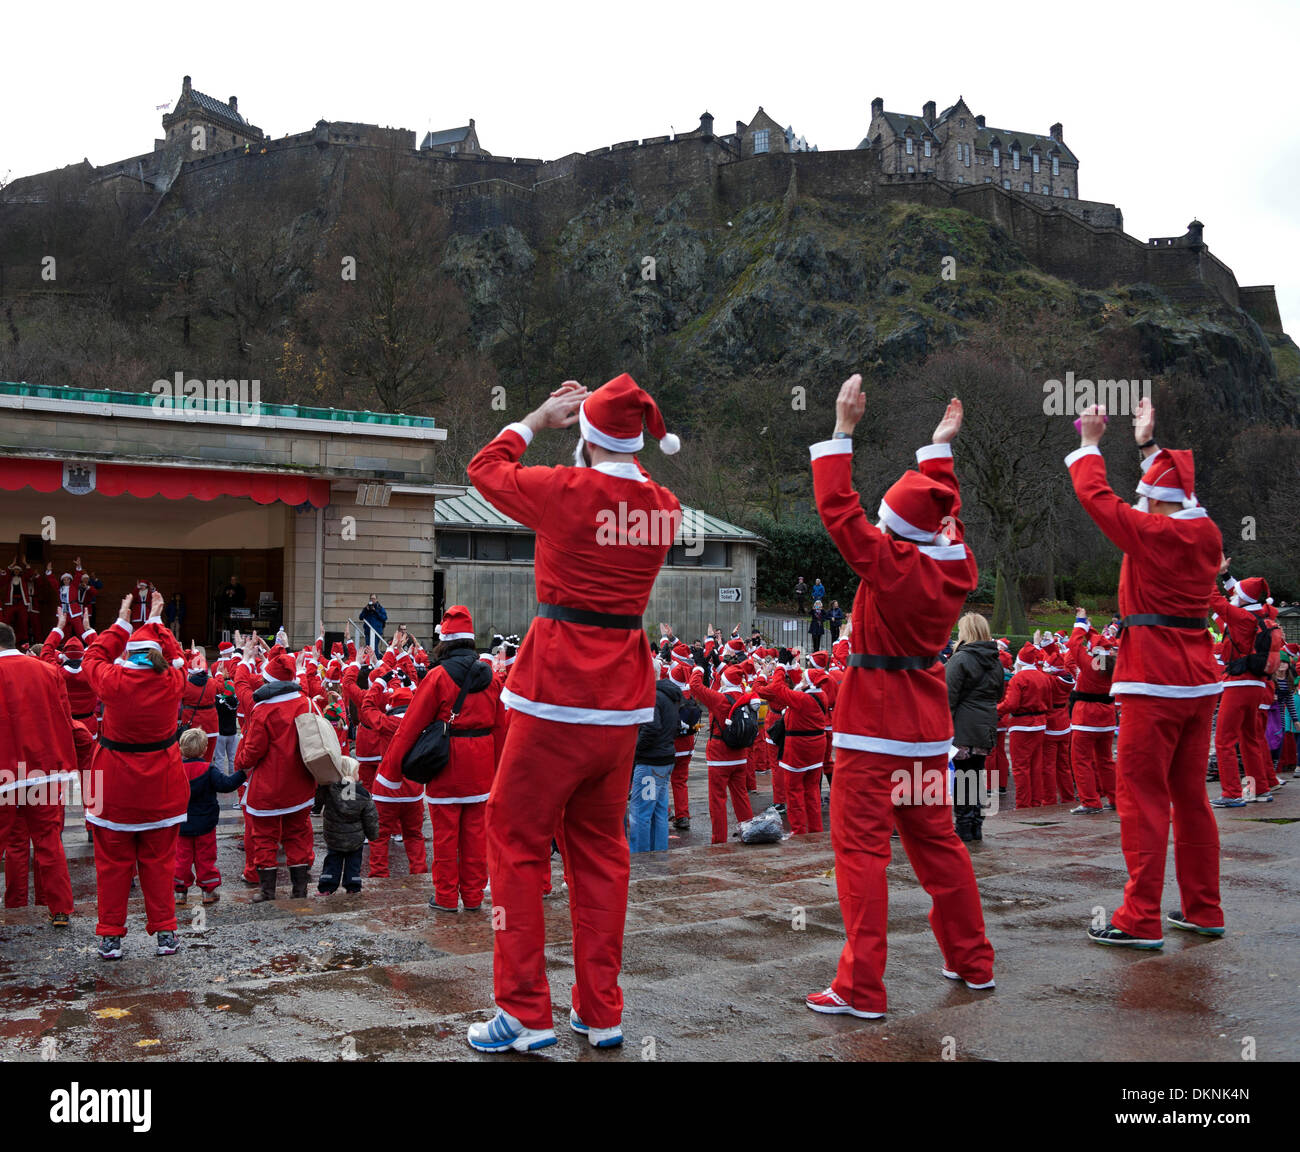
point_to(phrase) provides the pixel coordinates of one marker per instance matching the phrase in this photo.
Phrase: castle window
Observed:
(1056, 165)
(997, 156)
(927, 147)
(962, 122)
(1028, 187)
(961, 179)
(1065, 192)
(910, 168)
(908, 146)
(1046, 190)
(1007, 185)
(1015, 158)
(760, 141)
(988, 179)
(1035, 155)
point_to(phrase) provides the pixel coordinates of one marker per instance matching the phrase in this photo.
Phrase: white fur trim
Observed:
(725, 763)
(381, 799)
(1027, 728)
(891, 519)
(934, 452)
(624, 469)
(1080, 453)
(1089, 728)
(113, 826)
(455, 799)
(458, 636)
(1167, 691)
(943, 552)
(858, 743)
(525, 433)
(563, 714)
(671, 444)
(831, 448)
(806, 768)
(594, 435)
(277, 811)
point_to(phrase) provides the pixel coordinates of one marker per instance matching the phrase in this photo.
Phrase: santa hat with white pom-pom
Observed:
(611, 418)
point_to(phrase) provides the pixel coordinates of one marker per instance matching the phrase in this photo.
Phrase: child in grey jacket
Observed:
(350, 819)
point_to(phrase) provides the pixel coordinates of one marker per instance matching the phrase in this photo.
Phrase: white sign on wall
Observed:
(728, 595)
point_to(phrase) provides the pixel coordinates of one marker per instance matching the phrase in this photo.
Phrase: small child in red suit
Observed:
(196, 846)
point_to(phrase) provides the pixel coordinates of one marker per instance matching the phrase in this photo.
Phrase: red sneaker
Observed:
(831, 1004)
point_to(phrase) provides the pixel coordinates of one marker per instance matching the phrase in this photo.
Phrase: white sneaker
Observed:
(976, 987)
(831, 1004)
(504, 1032)
(596, 1037)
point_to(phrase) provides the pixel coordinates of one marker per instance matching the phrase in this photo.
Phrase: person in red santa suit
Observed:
(805, 709)
(245, 680)
(684, 742)
(1022, 713)
(604, 529)
(143, 790)
(141, 600)
(66, 655)
(1058, 780)
(280, 789)
(1244, 690)
(400, 801)
(458, 795)
(1165, 678)
(19, 600)
(199, 702)
(892, 722)
(1090, 657)
(727, 765)
(37, 757)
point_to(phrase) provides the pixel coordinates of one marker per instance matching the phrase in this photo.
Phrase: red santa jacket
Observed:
(36, 741)
(199, 704)
(138, 790)
(369, 751)
(384, 725)
(717, 752)
(586, 520)
(806, 714)
(1026, 702)
(245, 682)
(907, 605)
(1089, 715)
(1169, 567)
(1239, 632)
(467, 779)
(81, 696)
(1061, 685)
(278, 781)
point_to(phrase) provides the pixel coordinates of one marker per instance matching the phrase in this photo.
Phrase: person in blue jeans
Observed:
(647, 815)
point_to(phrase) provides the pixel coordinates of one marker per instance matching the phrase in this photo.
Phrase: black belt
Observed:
(470, 732)
(892, 663)
(595, 619)
(1028, 713)
(1093, 697)
(118, 746)
(806, 732)
(82, 715)
(1155, 620)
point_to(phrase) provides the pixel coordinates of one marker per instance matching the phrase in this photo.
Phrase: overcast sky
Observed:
(1175, 110)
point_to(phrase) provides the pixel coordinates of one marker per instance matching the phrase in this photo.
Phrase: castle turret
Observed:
(1196, 234)
(927, 113)
(706, 125)
(878, 107)
(979, 121)
(1057, 133)
(234, 103)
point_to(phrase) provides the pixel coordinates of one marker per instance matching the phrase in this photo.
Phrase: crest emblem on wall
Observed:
(78, 478)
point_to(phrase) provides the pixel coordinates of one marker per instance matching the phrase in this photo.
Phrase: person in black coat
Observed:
(655, 757)
(817, 626)
(196, 846)
(350, 819)
(975, 685)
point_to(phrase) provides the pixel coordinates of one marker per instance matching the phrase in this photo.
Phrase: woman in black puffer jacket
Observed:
(975, 685)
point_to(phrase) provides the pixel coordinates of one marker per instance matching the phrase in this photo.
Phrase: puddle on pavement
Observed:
(296, 963)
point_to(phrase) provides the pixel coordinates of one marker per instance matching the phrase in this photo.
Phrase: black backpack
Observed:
(688, 718)
(430, 753)
(741, 729)
(1258, 662)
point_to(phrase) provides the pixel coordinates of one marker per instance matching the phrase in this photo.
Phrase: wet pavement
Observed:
(722, 944)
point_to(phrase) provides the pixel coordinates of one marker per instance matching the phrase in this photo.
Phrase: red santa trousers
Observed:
(579, 773)
(250, 872)
(681, 793)
(1239, 726)
(1026, 752)
(1164, 745)
(151, 854)
(863, 813)
(459, 853)
(41, 826)
(1094, 766)
(405, 819)
(995, 766)
(293, 830)
(196, 861)
(803, 800)
(724, 778)
(1059, 778)
(1263, 702)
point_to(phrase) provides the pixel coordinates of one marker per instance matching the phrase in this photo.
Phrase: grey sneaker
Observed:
(167, 943)
(110, 948)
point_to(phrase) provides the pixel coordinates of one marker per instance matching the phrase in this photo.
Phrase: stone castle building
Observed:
(1025, 183)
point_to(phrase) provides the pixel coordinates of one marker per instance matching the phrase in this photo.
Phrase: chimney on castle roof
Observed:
(979, 121)
(185, 87)
(878, 107)
(706, 125)
(234, 103)
(740, 129)
(1056, 132)
(471, 121)
(927, 113)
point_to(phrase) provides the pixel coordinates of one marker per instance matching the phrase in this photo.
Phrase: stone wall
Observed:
(1260, 303)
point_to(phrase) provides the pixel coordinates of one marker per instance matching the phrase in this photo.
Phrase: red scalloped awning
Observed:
(170, 483)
